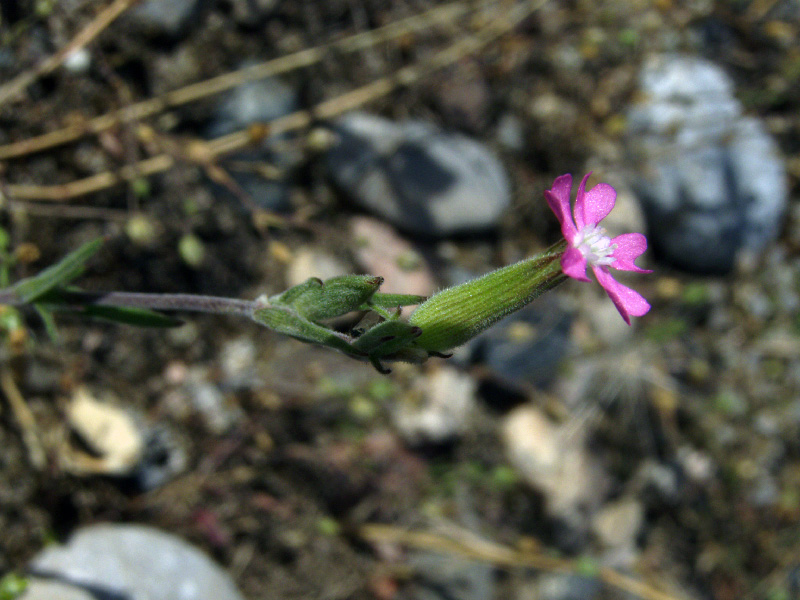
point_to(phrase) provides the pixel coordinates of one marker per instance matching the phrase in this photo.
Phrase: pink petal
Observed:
(593, 206)
(573, 264)
(627, 301)
(630, 246)
(558, 199)
(579, 220)
(598, 202)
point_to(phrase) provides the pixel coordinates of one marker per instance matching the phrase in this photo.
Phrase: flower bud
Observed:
(315, 299)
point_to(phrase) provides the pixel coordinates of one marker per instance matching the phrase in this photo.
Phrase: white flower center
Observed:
(595, 245)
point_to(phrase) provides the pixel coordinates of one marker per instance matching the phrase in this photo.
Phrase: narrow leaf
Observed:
(138, 317)
(49, 322)
(57, 275)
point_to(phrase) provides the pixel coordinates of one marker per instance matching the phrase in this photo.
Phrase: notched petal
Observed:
(558, 199)
(630, 246)
(628, 302)
(598, 202)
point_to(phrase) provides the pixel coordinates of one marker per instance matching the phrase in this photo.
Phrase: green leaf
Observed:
(46, 315)
(74, 301)
(138, 317)
(57, 275)
(284, 320)
(12, 585)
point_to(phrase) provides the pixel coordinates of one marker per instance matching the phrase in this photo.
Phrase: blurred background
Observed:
(238, 147)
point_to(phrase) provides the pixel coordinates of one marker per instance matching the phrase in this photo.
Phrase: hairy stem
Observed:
(180, 302)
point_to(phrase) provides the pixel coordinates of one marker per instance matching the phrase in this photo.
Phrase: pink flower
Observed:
(588, 243)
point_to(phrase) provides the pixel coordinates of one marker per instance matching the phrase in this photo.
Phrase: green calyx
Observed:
(455, 315)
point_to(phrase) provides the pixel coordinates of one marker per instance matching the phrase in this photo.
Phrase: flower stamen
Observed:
(595, 245)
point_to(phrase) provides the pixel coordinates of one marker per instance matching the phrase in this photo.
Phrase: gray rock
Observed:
(136, 562)
(555, 460)
(444, 577)
(164, 457)
(218, 412)
(237, 359)
(511, 132)
(710, 179)
(557, 586)
(439, 409)
(251, 13)
(528, 346)
(418, 177)
(258, 101)
(618, 523)
(44, 589)
(169, 18)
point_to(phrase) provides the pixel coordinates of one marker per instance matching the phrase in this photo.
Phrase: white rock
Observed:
(553, 459)
(618, 523)
(313, 263)
(78, 61)
(107, 430)
(136, 562)
(438, 409)
(45, 589)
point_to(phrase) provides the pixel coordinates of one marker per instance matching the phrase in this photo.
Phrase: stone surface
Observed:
(164, 457)
(418, 177)
(263, 173)
(711, 180)
(558, 586)
(113, 437)
(554, 460)
(381, 251)
(170, 18)
(528, 346)
(313, 262)
(618, 523)
(446, 577)
(209, 401)
(44, 589)
(136, 562)
(106, 440)
(438, 409)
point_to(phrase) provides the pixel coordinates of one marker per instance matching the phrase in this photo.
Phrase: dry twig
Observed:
(221, 83)
(471, 547)
(18, 85)
(206, 152)
(24, 416)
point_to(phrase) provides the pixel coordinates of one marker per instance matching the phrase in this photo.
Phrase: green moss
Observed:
(381, 389)
(12, 586)
(328, 526)
(666, 330)
(696, 293)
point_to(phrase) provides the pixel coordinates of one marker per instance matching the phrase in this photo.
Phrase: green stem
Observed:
(183, 302)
